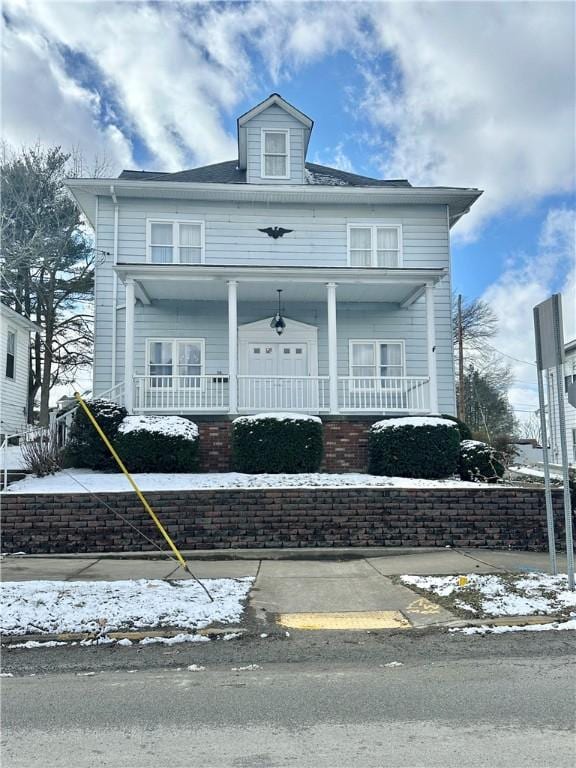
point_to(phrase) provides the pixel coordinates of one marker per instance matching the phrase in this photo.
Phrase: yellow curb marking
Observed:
(423, 606)
(345, 620)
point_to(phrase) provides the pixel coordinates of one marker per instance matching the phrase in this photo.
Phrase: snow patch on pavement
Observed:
(500, 630)
(36, 607)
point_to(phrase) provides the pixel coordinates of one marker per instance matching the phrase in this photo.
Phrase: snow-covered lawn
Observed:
(500, 595)
(36, 607)
(485, 629)
(11, 455)
(83, 480)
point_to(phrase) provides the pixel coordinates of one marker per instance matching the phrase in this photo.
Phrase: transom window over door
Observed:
(275, 154)
(374, 245)
(372, 360)
(175, 242)
(177, 363)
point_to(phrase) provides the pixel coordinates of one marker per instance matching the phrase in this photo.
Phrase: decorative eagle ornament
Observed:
(275, 232)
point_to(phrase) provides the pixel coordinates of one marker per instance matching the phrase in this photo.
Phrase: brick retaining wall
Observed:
(304, 517)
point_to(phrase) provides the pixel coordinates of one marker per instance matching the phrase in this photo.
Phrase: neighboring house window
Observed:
(11, 355)
(175, 363)
(374, 245)
(176, 242)
(275, 154)
(376, 359)
(570, 379)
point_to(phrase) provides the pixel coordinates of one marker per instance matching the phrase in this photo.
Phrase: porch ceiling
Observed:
(396, 286)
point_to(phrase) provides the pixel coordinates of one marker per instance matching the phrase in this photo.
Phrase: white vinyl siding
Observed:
(175, 242)
(10, 369)
(376, 358)
(376, 245)
(275, 161)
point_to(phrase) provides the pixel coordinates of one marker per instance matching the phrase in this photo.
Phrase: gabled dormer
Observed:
(273, 140)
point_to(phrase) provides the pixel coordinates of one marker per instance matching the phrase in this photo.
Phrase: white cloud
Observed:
(528, 279)
(484, 97)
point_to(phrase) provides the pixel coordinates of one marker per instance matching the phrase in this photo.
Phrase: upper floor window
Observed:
(374, 245)
(175, 242)
(275, 154)
(11, 355)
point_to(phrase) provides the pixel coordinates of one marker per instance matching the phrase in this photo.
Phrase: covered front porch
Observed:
(353, 341)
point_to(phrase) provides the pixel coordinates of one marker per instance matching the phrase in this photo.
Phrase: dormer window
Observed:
(275, 154)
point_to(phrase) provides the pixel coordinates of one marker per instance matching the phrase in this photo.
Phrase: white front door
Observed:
(277, 377)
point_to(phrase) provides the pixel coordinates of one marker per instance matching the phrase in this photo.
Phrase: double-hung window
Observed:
(10, 355)
(275, 154)
(175, 242)
(175, 363)
(374, 363)
(374, 245)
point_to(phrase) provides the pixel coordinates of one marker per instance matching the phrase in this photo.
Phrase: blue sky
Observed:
(444, 93)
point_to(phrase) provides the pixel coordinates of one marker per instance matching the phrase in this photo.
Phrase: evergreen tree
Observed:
(487, 410)
(47, 266)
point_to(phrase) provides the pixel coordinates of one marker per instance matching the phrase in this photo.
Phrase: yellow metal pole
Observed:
(137, 490)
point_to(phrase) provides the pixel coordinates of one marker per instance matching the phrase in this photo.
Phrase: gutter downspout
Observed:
(114, 286)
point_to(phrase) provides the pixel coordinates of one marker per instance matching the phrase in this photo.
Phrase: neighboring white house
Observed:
(553, 417)
(15, 332)
(186, 300)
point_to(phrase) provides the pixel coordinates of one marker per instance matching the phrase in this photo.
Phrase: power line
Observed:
(505, 354)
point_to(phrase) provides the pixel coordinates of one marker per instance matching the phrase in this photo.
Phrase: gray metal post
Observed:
(565, 476)
(547, 487)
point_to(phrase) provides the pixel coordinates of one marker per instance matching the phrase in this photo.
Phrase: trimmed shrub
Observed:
(426, 447)
(463, 428)
(276, 442)
(158, 444)
(480, 462)
(85, 448)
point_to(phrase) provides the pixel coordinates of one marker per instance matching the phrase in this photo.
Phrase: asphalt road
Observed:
(317, 701)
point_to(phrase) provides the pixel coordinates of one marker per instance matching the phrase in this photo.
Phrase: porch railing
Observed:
(210, 393)
(283, 393)
(181, 393)
(388, 393)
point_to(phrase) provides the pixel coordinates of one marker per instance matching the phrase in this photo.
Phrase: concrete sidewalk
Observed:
(345, 583)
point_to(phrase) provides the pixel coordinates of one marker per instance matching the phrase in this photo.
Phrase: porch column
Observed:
(233, 346)
(431, 347)
(332, 347)
(129, 347)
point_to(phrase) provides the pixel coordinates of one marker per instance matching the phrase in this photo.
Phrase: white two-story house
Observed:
(268, 283)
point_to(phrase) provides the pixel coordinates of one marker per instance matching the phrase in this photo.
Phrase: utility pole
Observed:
(461, 409)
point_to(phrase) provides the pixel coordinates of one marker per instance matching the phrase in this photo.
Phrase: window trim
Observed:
(175, 238)
(14, 332)
(174, 340)
(263, 132)
(375, 343)
(373, 226)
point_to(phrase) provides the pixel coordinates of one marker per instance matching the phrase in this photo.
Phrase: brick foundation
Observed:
(345, 444)
(303, 517)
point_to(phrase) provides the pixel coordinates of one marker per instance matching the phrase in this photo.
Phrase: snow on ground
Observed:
(84, 481)
(498, 595)
(163, 425)
(11, 455)
(500, 630)
(534, 472)
(36, 607)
